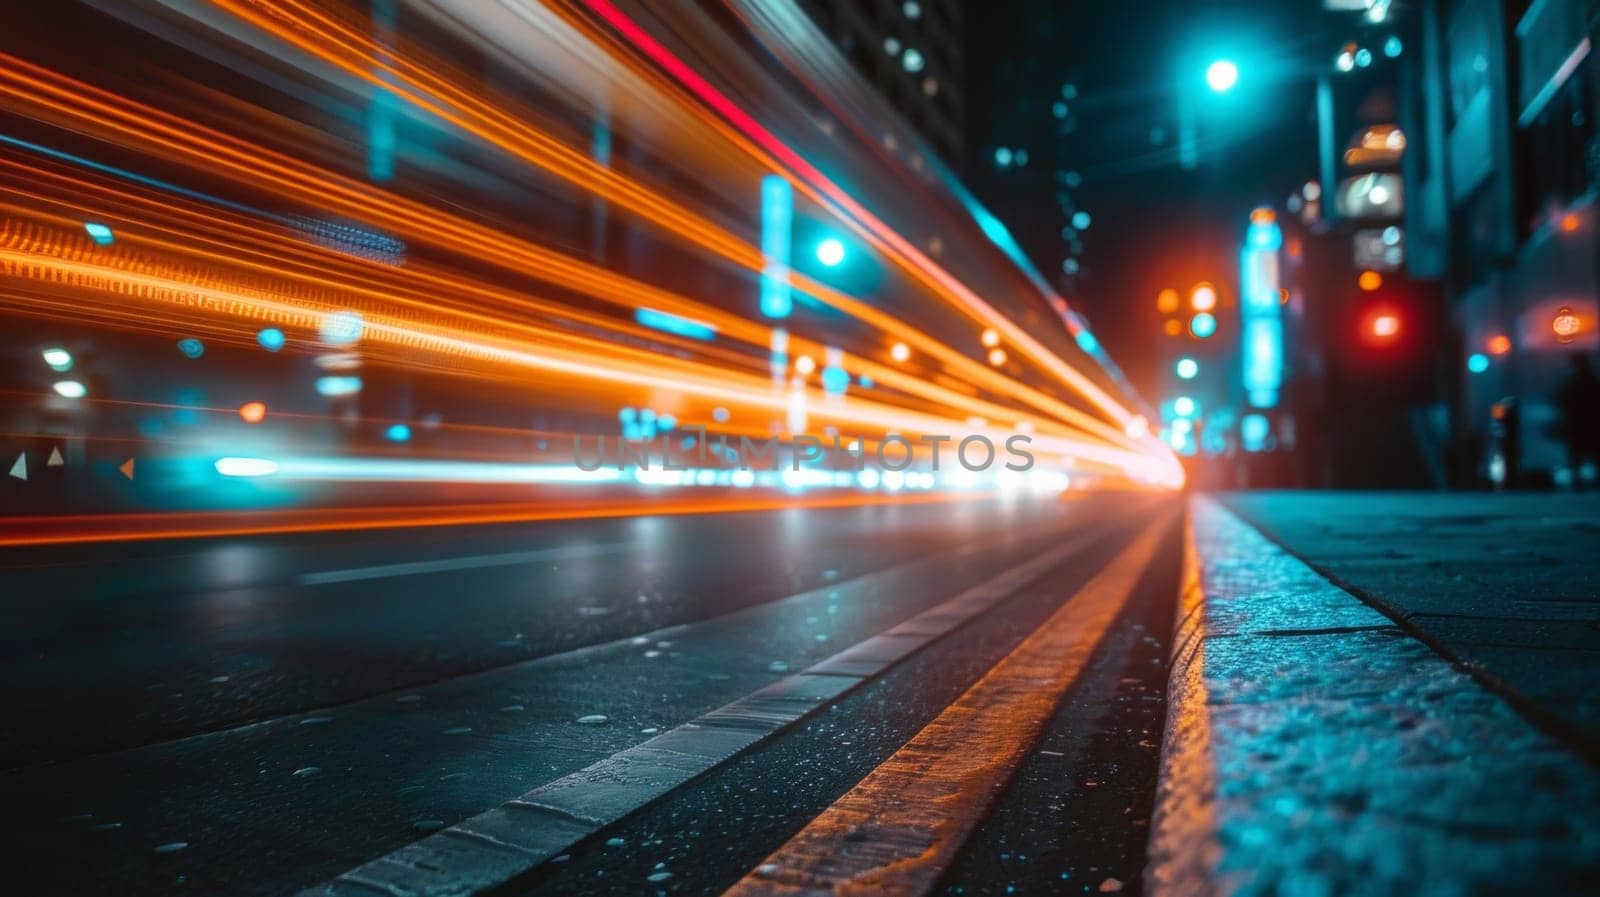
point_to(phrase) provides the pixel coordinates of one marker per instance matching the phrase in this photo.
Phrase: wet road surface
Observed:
(262, 715)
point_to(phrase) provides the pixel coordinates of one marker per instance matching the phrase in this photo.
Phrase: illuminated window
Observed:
(1379, 145)
(1375, 195)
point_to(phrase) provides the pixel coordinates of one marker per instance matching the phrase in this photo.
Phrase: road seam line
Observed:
(607, 791)
(900, 827)
(468, 562)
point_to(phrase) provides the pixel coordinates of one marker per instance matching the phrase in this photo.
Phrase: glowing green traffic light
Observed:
(1222, 75)
(830, 252)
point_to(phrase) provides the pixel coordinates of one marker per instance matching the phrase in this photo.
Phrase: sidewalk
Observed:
(1507, 585)
(1315, 747)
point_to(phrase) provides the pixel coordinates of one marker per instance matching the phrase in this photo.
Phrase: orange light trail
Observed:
(281, 262)
(315, 32)
(149, 282)
(236, 223)
(212, 150)
(59, 530)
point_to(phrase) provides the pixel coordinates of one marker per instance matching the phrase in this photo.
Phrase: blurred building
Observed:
(1499, 106)
(911, 52)
(1025, 108)
(1450, 268)
(1371, 359)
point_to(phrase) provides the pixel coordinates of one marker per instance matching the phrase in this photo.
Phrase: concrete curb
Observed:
(1312, 747)
(1183, 849)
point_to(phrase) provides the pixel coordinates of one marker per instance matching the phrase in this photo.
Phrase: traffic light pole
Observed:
(1327, 149)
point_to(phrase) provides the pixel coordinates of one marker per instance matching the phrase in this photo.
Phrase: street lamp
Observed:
(1222, 75)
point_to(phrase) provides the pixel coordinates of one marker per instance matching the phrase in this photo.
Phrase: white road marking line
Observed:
(496, 846)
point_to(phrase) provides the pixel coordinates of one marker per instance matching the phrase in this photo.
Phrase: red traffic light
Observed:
(1381, 326)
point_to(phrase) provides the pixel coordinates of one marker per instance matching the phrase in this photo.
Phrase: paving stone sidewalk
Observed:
(1505, 584)
(1315, 748)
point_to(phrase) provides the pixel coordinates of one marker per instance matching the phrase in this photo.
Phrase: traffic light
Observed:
(1381, 326)
(1222, 75)
(830, 252)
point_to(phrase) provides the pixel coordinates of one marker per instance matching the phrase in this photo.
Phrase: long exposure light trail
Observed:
(686, 376)
(867, 224)
(424, 224)
(355, 53)
(526, 266)
(235, 235)
(59, 530)
(285, 315)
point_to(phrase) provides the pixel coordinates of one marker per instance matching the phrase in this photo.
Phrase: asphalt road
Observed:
(260, 715)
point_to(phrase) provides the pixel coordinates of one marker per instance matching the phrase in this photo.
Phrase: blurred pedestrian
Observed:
(1578, 401)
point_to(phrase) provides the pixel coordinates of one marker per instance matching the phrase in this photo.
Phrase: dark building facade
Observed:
(911, 52)
(1503, 175)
